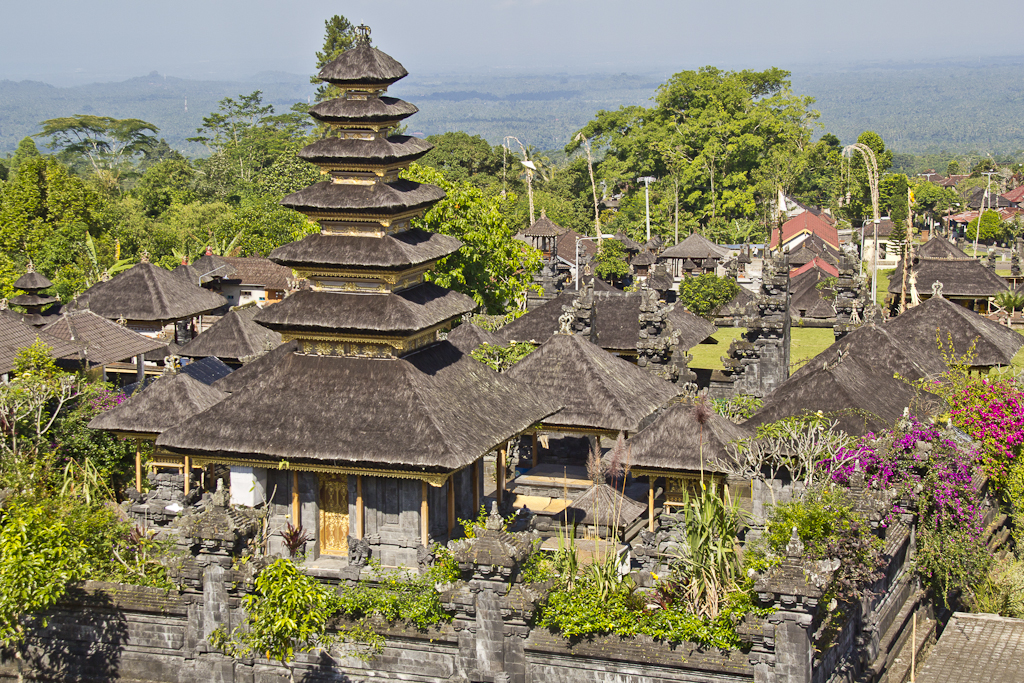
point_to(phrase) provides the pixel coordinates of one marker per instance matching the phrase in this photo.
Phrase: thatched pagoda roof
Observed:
(206, 370)
(433, 410)
(600, 391)
(994, 344)
(233, 337)
(695, 246)
(255, 370)
(627, 242)
(862, 396)
(362, 65)
(32, 282)
(105, 341)
(397, 251)
(370, 110)
(467, 337)
(820, 310)
(960, 277)
(16, 335)
(416, 308)
(661, 281)
(538, 323)
(32, 300)
(544, 227)
(397, 148)
(644, 258)
(167, 402)
(688, 265)
(675, 441)
(148, 293)
(603, 506)
(379, 198)
(938, 247)
(188, 274)
(616, 321)
(740, 305)
(693, 329)
(803, 288)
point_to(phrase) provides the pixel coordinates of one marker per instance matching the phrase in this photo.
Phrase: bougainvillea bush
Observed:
(934, 471)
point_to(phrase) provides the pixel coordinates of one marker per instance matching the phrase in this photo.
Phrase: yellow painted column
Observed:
(650, 505)
(188, 473)
(138, 465)
(296, 505)
(424, 518)
(360, 529)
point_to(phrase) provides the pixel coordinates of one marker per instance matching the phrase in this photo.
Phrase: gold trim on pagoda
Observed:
(362, 346)
(435, 479)
(366, 281)
(384, 221)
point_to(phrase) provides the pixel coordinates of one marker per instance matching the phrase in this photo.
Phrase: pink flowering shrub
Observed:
(992, 412)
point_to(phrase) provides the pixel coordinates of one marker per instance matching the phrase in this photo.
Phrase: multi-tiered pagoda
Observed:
(371, 430)
(34, 301)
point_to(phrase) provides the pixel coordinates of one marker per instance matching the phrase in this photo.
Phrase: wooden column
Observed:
(533, 444)
(476, 488)
(296, 505)
(650, 504)
(138, 465)
(188, 473)
(140, 368)
(499, 476)
(360, 514)
(451, 504)
(424, 518)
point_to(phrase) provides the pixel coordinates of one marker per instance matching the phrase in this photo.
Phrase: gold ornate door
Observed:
(333, 514)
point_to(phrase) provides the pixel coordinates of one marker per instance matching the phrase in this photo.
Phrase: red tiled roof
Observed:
(816, 262)
(806, 222)
(1015, 195)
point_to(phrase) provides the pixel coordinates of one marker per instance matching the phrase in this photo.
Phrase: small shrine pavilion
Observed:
(33, 300)
(370, 430)
(235, 339)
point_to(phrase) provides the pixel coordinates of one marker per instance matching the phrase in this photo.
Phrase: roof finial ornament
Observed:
(144, 257)
(363, 37)
(121, 321)
(30, 268)
(795, 547)
(105, 277)
(209, 251)
(937, 289)
(3, 304)
(565, 323)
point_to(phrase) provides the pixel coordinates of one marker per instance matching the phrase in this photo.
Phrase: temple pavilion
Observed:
(363, 426)
(34, 300)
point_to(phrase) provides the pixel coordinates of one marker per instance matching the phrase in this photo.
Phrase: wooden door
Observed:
(333, 514)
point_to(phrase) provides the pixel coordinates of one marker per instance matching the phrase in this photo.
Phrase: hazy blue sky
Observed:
(64, 41)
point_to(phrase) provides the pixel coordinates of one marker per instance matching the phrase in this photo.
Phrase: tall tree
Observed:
(105, 141)
(339, 35)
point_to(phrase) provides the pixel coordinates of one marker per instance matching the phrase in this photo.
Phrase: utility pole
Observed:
(647, 180)
(593, 186)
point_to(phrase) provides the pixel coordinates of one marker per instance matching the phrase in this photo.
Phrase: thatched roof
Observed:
(696, 246)
(16, 335)
(255, 370)
(616, 321)
(599, 391)
(544, 227)
(644, 258)
(995, 344)
(436, 409)
(32, 282)
(467, 337)
(961, 278)
(693, 329)
(206, 370)
(938, 247)
(370, 110)
(740, 305)
(148, 293)
(167, 402)
(362, 65)
(397, 148)
(821, 310)
(413, 309)
(105, 341)
(627, 242)
(674, 440)
(188, 274)
(379, 198)
(31, 300)
(210, 267)
(397, 251)
(661, 281)
(538, 323)
(804, 292)
(233, 337)
(860, 395)
(245, 270)
(602, 505)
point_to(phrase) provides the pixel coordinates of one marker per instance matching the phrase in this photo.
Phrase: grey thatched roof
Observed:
(245, 270)
(16, 335)
(693, 329)
(416, 308)
(363, 65)
(379, 198)
(539, 323)
(644, 258)
(616, 321)
(105, 341)
(739, 306)
(167, 402)
(233, 337)
(995, 344)
(599, 391)
(206, 370)
(436, 409)
(627, 242)
(821, 310)
(32, 281)
(370, 110)
(149, 293)
(31, 300)
(602, 505)
(803, 289)
(468, 336)
(675, 441)
(860, 395)
(959, 277)
(696, 246)
(256, 370)
(397, 148)
(396, 251)
(938, 247)
(211, 266)
(544, 227)
(188, 274)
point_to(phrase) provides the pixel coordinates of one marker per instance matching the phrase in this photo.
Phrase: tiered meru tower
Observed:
(376, 428)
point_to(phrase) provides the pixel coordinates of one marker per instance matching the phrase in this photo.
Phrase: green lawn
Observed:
(807, 342)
